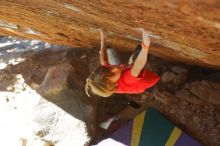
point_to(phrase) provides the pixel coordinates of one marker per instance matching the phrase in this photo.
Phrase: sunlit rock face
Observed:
(35, 120)
(36, 102)
(186, 31)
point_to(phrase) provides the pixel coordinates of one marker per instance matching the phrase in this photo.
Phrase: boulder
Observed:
(185, 31)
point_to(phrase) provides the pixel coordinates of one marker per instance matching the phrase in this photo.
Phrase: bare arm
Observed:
(141, 60)
(103, 51)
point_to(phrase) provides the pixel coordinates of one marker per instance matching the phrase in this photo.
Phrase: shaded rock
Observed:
(179, 69)
(55, 79)
(140, 98)
(206, 90)
(177, 76)
(215, 76)
(168, 77)
(188, 96)
(163, 96)
(78, 74)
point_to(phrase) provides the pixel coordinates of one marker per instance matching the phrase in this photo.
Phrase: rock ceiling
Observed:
(185, 30)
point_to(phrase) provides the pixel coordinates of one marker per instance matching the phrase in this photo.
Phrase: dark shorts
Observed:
(134, 54)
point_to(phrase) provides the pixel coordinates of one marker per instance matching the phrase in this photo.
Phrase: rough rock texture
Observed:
(185, 30)
(186, 95)
(30, 118)
(42, 90)
(200, 92)
(38, 105)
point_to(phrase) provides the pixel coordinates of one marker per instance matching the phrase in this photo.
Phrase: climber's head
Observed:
(103, 80)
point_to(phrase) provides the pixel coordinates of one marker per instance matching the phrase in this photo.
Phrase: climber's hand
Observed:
(146, 38)
(103, 34)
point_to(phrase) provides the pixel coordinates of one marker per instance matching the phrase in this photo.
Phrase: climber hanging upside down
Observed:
(131, 78)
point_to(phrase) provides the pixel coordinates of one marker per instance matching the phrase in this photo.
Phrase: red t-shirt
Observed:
(135, 85)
